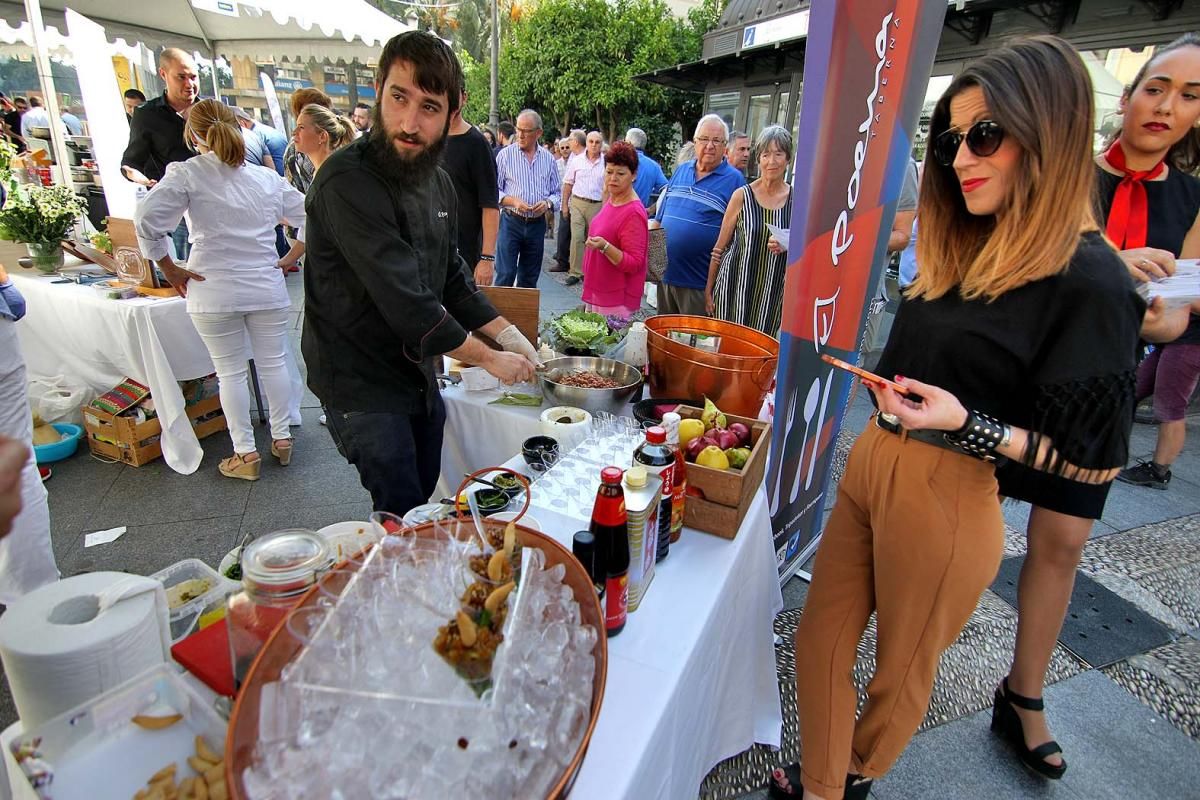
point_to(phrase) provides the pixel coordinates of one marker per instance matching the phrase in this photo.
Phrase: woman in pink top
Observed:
(614, 265)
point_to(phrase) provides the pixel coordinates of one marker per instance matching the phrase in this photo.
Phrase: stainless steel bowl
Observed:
(614, 401)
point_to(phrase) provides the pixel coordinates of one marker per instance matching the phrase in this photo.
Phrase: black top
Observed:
(468, 161)
(13, 119)
(155, 139)
(1174, 206)
(1055, 356)
(385, 290)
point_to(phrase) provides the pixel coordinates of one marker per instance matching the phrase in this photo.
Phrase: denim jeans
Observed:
(519, 249)
(398, 456)
(183, 248)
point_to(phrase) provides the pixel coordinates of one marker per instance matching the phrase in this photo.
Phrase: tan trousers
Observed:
(582, 214)
(916, 536)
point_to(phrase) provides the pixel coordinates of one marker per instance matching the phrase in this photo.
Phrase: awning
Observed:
(696, 76)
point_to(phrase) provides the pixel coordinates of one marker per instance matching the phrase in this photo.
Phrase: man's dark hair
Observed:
(135, 94)
(435, 67)
(363, 106)
(35, 102)
(507, 129)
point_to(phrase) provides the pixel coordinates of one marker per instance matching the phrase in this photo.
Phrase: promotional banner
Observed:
(866, 66)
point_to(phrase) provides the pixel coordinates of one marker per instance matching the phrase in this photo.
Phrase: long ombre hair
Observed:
(213, 123)
(1038, 90)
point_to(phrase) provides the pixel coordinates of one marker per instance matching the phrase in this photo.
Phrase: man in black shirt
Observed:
(12, 122)
(133, 99)
(156, 133)
(386, 292)
(468, 161)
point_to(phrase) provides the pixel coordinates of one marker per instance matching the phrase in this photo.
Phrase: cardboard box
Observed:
(727, 493)
(121, 437)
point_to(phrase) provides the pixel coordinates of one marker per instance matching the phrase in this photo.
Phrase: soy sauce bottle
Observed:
(609, 526)
(659, 459)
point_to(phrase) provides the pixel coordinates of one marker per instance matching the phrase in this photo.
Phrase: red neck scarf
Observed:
(1128, 219)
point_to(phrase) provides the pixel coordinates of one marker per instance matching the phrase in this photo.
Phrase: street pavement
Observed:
(1130, 726)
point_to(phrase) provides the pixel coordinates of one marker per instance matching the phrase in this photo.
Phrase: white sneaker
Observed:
(321, 419)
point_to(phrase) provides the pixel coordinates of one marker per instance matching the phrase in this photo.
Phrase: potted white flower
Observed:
(41, 217)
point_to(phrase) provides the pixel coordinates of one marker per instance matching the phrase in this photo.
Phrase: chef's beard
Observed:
(404, 169)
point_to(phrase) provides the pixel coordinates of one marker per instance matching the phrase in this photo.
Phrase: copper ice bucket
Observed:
(730, 364)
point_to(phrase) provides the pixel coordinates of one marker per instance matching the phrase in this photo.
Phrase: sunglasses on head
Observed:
(983, 139)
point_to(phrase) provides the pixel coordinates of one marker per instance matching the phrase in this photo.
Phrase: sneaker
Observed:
(1146, 473)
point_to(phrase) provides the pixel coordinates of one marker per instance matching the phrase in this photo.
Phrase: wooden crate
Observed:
(121, 438)
(727, 493)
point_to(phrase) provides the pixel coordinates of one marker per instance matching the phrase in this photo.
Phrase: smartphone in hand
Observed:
(870, 377)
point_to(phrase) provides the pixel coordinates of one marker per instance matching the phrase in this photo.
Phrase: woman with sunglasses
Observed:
(234, 286)
(1020, 328)
(1150, 207)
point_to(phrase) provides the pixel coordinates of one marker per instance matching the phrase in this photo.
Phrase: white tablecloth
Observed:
(70, 330)
(691, 678)
(479, 435)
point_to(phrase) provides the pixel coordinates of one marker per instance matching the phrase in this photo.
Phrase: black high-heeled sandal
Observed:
(1007, 723)
(857, 787)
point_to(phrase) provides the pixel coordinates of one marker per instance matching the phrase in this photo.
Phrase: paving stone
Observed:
(145, 549)
(258, 521)
(155, 494)
(1156, 567)
(307, 485)
(1168, 680)
(1133, 506)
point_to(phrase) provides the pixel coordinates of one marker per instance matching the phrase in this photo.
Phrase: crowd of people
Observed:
(1020, 328)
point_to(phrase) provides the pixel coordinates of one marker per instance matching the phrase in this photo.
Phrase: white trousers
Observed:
(225, 335)
(26, 554)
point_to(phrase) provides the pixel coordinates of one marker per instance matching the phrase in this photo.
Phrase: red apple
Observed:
(693, 448)
(727, 439)
(742, 432)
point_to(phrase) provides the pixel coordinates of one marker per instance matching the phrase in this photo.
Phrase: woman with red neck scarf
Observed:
(1150, 207)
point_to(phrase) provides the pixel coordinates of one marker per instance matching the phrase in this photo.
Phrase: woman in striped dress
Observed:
(748, 266)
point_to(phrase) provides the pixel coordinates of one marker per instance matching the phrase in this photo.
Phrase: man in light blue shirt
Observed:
(691, 209)
(650, 179)
(275, 142)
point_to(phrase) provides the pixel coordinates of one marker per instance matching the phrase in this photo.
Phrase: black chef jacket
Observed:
(155, 139)
(385, 289)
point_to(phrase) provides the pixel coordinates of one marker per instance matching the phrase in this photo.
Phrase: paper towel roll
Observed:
(73, 640)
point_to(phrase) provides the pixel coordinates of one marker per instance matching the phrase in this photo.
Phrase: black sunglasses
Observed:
(983, 139)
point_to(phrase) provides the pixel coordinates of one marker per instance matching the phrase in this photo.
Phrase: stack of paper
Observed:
(1179, 289)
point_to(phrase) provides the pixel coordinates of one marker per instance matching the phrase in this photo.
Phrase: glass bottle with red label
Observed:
(609, 526)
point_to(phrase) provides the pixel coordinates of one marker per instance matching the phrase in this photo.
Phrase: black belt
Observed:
(936, 438)
(526, 220)
(585, 199)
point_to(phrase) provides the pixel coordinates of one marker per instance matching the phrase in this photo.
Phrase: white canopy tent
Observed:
(92, 31)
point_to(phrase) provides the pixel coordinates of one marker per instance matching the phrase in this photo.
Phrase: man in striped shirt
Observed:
(528, 182)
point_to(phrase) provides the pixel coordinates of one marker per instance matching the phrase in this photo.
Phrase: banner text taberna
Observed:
(866, 67)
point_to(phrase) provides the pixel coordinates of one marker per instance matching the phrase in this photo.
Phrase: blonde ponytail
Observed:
(213, 124)
(340, 130)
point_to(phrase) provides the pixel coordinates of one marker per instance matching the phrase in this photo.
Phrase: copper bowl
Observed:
(735, 373)
(280, 649)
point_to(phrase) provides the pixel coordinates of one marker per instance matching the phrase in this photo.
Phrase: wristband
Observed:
(487, 258)
(980, 435)
(605, 248)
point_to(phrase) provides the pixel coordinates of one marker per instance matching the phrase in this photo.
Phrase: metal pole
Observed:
(216, 84)
(494, 111)
(58, 142)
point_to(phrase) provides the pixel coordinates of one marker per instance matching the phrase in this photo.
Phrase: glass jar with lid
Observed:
(277, 569)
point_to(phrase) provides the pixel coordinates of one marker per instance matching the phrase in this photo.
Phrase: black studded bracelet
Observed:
(980, 435)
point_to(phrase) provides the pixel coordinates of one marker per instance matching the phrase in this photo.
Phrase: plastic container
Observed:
(64, 448)
(185, 616)
(348, 538)
(730, 364)
(115, 290)
(95, 750)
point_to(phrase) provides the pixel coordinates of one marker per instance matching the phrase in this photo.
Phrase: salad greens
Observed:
(580, 329)
(517, 399)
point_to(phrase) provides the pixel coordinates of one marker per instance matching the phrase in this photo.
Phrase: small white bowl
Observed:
(348, 538)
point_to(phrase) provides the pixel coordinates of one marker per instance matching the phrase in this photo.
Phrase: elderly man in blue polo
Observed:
(691, 209)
